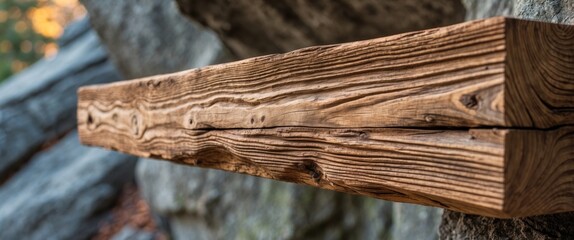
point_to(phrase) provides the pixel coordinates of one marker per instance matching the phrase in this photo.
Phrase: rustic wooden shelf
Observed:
(476, 117)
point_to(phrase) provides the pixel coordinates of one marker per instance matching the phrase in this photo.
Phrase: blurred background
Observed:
(29, 29)
(51, 187)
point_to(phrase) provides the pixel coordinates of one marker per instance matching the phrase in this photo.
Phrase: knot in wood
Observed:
(310, 167)
(90, 119)
(469, 101)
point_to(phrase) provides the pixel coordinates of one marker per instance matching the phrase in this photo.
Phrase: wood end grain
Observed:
(539, 85)
(539, 172)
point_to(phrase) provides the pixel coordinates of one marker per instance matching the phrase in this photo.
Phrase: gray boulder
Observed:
(149, 37)
(556, 11)
(63, 192)
(256, 27)
(39, 103)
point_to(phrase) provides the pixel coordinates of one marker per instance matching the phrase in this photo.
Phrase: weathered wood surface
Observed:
(320, 116)
(257, 27)
(494, 72)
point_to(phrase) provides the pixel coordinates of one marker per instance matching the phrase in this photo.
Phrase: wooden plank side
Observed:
(539, 86)
(451, 76)
(455, 169)
(539, 171)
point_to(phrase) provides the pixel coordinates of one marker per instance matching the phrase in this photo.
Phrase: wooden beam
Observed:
(493, 72)
(321, 116)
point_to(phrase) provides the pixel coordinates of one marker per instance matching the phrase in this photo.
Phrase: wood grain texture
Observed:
(465, 75)
(539, 171)
(539, 91)
(322, 116)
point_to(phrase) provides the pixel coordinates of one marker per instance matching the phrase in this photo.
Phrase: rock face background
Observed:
(556, 11)
(258, 27)
(39, 103)
(150, 37)
(71, 186)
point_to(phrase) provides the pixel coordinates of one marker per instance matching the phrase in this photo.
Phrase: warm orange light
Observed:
(50, 49)
(17, 65)
(51, 17)
(43, 21)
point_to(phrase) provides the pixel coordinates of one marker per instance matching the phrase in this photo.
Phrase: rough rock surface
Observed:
(63, 192)
(258, 27)
(557, 11)
(556, 226)
(210, 204)
(464, 226)
(39, 103)
(150, 37)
